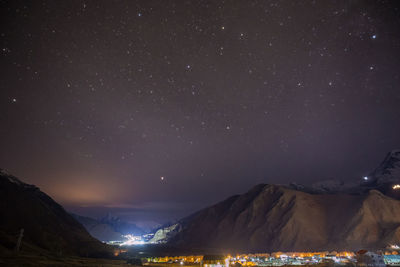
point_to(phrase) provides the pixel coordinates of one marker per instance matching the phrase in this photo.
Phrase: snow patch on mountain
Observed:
(164, 234)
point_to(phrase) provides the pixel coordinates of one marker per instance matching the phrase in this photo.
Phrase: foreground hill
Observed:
(273, 218)
(47, 226)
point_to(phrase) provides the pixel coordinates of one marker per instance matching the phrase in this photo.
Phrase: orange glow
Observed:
(119, 251)
(86, 190)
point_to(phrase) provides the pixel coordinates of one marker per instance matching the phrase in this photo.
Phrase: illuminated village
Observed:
(388, 257)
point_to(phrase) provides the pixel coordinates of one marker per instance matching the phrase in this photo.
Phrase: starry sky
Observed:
(154, 109)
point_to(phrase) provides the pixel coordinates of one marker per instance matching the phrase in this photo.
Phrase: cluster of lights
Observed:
(266, 259)
(396, 187)
(219, 264)
(133, 240)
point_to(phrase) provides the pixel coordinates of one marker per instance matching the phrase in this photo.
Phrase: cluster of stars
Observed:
(217, 90)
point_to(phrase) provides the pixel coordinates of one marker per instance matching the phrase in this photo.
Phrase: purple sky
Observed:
(100, 99)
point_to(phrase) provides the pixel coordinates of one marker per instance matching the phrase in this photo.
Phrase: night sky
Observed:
(154, 109)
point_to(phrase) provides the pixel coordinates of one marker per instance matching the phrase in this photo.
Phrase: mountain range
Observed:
(329, 215)
(326, 216)
(108, 228)
(101, 231)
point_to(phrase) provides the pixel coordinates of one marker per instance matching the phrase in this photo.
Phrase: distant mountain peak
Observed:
(98, 229)
(121, 226)
(110, 218)
(390, 165)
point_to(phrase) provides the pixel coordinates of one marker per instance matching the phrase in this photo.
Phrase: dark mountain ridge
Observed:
(47, 226)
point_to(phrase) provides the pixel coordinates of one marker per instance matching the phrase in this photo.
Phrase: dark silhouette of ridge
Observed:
(47, 226)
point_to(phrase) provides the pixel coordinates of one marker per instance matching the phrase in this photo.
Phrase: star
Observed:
(201, 82)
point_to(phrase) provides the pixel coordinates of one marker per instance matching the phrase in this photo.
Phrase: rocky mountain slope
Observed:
(163, 234)
(47, 226)
(271, 218)
(292, 218)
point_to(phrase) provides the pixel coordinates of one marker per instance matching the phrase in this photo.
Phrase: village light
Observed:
(227, 262)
